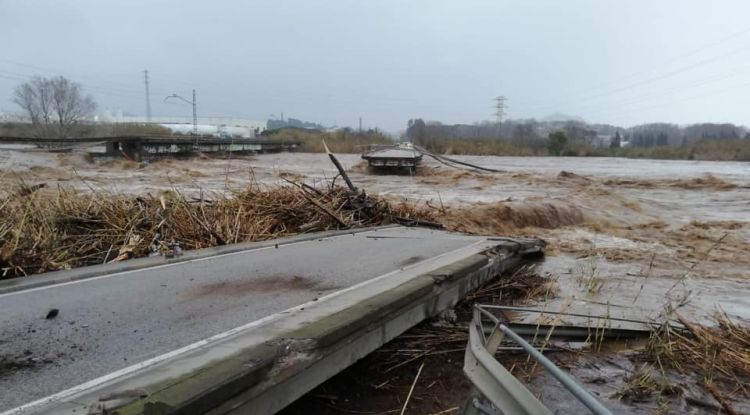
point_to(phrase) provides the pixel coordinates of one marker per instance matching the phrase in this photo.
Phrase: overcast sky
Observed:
(614, 61)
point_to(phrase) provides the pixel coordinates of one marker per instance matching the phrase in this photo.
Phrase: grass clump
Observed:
(589, 278)
(644, 384)
(720, 353)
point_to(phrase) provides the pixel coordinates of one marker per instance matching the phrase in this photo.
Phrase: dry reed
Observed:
(63, 228)
(721, 354)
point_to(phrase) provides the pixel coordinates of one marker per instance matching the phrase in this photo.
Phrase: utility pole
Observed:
(148, 96)
(194, 103)
(360, 125)
(500, 108)
(195, 115)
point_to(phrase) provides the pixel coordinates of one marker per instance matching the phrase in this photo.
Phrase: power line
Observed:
(681, 56)
(106, 86)
(681, 87)
(647, 81)
(620, 111)
(103, 90)
(11, 78)
(605, 86)
(672, 73)
(15, 76)
(129, 94)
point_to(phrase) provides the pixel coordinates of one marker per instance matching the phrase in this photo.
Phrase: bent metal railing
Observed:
(497, 384)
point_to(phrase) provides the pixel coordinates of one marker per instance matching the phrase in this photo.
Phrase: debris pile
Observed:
(63, 229)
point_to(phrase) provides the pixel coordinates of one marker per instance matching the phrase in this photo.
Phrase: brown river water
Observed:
(626, 238)
(623, 218)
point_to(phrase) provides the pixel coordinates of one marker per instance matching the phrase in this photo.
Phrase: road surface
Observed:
(112, 321)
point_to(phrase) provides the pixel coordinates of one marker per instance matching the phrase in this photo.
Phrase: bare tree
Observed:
(54, 105)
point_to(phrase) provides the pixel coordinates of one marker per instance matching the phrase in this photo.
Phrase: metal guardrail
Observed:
(497, 384)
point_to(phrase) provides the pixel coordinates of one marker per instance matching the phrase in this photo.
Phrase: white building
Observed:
(234, 126)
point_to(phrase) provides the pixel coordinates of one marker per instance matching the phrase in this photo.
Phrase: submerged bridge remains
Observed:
(141, 148)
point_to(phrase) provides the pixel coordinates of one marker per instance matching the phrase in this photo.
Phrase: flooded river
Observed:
(626, 238)
(618, 213)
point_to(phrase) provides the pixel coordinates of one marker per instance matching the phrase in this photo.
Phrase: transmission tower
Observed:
(500, 108)
(148, 96)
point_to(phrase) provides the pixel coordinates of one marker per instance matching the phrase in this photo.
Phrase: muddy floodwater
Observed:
(626, 238)
(611, 215)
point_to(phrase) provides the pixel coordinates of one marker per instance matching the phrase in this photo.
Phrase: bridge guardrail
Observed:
(497, 385)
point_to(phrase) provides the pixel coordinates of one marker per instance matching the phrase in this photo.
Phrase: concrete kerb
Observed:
(246, 381)
(57, 277)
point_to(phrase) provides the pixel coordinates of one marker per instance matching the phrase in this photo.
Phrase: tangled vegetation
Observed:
(62, 229)
(721, 353)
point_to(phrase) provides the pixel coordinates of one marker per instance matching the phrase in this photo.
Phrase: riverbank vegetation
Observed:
(706, 141)
(340, 141)
(84, 130)
(717, 150)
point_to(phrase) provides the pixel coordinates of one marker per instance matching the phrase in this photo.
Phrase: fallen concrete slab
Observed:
(243, 331)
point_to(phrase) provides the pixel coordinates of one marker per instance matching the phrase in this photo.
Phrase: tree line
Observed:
(534, 133)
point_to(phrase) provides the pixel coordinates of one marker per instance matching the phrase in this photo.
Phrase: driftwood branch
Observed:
(340, 168)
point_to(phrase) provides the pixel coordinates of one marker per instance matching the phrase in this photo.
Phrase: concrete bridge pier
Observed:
(132, 150)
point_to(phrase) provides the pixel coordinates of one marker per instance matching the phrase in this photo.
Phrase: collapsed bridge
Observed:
(244, 328)
(142, 148)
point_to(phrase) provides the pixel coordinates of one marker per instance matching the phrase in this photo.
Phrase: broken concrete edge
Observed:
(195, 392)
(188, 393)
(92, 271)
(273, 395)
(217, 381)
(266, 365)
